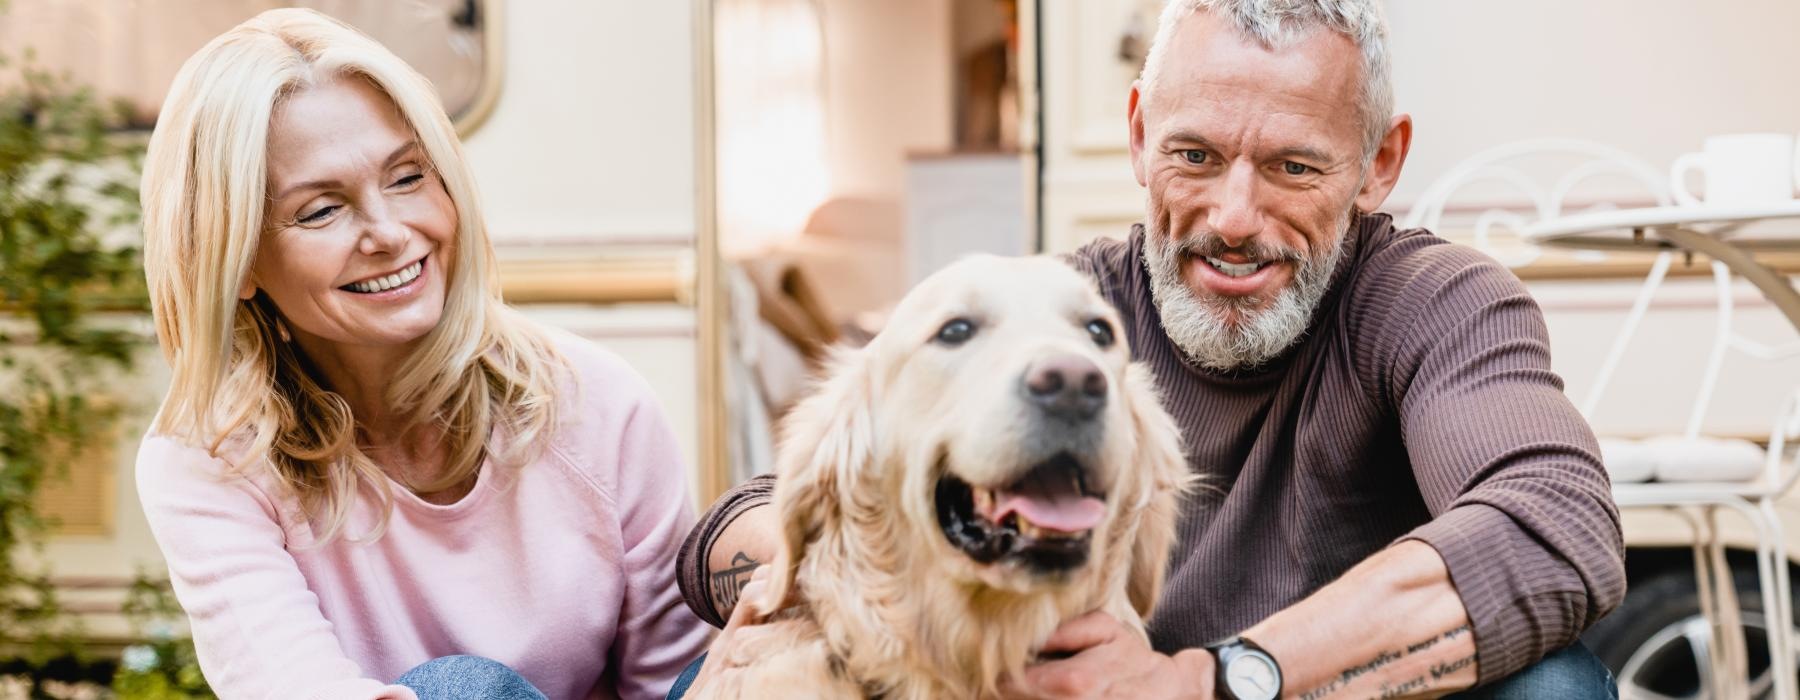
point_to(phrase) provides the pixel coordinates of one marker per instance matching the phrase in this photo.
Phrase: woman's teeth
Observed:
(382, 284)
(1235, 269)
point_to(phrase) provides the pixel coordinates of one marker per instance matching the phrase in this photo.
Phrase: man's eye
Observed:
(318, 215)
(1292, 168)
(956, 332)
(1194, 157)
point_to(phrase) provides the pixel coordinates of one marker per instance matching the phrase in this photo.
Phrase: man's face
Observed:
(1253, 159)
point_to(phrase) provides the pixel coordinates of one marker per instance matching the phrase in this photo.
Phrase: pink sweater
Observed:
(563, 570)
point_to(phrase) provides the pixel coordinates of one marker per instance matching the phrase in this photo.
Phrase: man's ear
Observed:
(827, 440)
(1384, 169)
(1134, 117)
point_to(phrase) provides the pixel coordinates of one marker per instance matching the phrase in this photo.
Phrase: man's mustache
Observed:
(1208, 244)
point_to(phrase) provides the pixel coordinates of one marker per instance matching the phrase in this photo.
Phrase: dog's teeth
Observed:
(984, 501)
(1027, 529)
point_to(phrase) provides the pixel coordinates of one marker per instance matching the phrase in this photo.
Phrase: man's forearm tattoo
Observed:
(1386, 657)
(727, 584)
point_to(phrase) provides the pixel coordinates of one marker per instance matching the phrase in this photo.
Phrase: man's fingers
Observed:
(1090, 630)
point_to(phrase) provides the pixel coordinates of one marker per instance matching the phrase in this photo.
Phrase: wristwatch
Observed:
(1246, 671)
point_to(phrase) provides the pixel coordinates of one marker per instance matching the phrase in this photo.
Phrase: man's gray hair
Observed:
(1278, 24)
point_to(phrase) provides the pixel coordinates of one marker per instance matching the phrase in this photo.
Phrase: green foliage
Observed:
(68, 249)
(165, 668)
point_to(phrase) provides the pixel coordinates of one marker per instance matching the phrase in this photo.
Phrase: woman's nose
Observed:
(383, 232)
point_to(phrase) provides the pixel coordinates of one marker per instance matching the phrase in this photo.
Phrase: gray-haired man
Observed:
(1411, 504)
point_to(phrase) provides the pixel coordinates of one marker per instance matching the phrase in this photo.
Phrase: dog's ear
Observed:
(1162, 480)
(826, 441)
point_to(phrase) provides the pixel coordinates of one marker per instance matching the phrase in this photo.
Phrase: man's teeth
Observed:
(1235, 269)
(382, 284)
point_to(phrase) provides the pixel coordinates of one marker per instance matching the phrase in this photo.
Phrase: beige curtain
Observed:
(770, 87)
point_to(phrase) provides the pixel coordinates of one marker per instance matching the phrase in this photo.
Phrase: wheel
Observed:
(1657, 643)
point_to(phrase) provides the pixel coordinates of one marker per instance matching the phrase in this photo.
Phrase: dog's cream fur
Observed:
(885, 605)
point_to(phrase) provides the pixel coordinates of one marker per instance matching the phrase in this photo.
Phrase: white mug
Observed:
(1739, 169)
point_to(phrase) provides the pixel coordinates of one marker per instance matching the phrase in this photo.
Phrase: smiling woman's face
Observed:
(358, 233)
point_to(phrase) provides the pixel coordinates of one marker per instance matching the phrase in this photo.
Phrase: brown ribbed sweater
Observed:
(1419, 405)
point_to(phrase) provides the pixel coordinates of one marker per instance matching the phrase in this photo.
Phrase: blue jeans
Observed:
(685, 679)
(468, 678)
(1571, 674)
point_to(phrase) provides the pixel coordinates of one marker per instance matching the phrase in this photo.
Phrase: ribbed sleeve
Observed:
(1522, 509)
(698, 547)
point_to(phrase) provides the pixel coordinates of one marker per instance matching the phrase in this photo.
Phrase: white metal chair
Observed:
(1678, 472)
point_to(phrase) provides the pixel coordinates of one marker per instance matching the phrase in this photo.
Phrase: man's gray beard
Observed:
(1199, 327)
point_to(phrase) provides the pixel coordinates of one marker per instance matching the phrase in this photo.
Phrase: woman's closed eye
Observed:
(319, 215)
(408, 181)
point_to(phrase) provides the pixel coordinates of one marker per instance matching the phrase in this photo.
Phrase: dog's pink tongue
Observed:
(1065, 512)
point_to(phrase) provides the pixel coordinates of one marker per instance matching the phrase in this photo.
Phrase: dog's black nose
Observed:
(1066, 386)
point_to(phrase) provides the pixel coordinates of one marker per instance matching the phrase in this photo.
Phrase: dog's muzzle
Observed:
(1066, 388)
(1043, 520)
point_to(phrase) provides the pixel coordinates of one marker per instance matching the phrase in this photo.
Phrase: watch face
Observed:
(1252, 677)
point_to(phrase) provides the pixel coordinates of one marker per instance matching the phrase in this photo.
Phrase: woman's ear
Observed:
(826, 441)
(1162, 480)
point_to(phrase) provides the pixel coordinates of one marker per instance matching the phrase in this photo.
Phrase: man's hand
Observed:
(745, 634)
(1111, 661)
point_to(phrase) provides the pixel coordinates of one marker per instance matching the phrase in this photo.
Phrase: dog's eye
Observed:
(956, 332)
(1101, 332)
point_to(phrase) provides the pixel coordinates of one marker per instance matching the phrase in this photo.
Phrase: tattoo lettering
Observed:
(1438, 671)
(729, 583)
(1407, 688)
(1382, 659)
(1321, 691)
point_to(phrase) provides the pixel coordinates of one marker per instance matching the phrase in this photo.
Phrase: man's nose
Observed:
(1236, 215)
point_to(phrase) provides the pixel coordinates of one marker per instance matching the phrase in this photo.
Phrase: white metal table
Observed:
(1719, 233)
(1709, 230)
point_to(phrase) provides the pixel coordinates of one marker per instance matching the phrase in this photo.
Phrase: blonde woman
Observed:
(370, 478)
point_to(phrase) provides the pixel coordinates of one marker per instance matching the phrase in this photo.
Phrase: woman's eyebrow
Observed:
(398, 153)
(308, 185)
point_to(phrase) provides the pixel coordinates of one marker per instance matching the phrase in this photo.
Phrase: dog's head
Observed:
(995, 435)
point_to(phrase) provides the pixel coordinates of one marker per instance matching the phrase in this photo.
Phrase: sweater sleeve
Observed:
(257, 627)
(697, 549)
(1522, 509)
(657, 636)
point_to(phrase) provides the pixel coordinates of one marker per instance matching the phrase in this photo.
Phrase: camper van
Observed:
(719, 191)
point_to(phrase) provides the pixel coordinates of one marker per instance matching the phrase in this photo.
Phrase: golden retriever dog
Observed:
(989, 466)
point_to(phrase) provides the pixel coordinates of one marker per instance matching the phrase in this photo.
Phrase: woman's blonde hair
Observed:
(482, 370)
